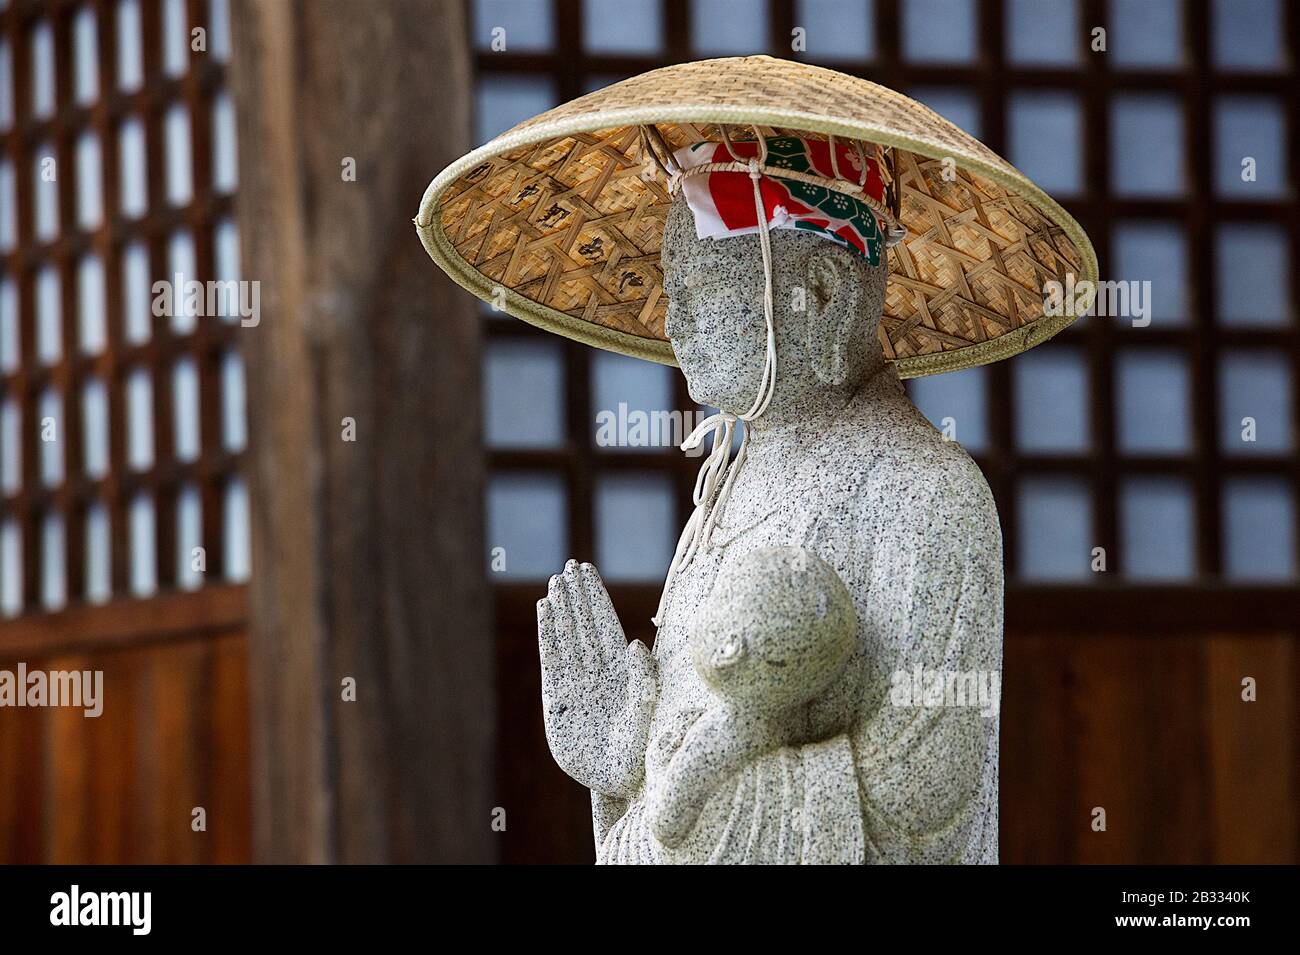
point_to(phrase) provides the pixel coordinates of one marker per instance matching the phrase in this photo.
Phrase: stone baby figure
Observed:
(777, 631)
(841, 464)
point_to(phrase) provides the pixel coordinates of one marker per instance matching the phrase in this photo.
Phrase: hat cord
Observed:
(718, 472)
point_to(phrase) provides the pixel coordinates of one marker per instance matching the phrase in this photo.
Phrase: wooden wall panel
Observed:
(230, 782)
(1152, 727)
(23, 808)
(1036, 754)
(113, 750)
(174, 734)
(1254, 749)
(548, 814)
(1148, 725)
(68, 832)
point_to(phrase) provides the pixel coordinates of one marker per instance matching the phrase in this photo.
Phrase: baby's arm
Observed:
(718, 745)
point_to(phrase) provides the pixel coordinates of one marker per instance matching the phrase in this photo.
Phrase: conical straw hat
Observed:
(559, 220)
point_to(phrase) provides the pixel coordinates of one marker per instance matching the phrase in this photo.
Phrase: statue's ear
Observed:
(833, 302)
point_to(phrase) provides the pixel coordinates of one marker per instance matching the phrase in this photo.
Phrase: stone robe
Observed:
(907, 520)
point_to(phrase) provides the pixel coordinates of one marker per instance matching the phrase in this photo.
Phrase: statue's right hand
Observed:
(598, 690)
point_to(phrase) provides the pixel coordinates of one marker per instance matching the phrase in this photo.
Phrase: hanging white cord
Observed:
(718, 472)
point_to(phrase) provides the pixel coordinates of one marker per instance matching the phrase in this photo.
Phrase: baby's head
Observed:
(776, 630)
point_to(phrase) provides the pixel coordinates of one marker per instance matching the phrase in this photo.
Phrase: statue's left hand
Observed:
(598, 690)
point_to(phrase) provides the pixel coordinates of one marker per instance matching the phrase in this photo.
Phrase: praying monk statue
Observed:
(840, 465)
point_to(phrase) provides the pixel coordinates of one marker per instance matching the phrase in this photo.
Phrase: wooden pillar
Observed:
(367, 553)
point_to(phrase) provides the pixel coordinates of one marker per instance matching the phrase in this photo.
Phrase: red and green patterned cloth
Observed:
(723, 201)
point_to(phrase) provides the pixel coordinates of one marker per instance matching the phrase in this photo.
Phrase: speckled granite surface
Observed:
(843, 466)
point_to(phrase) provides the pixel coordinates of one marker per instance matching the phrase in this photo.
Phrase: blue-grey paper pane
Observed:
(99, 554)
(1042, 32)
(6, 86)
(513, 25)
(42, 65)
(225, 155)
(189, 536)
(132, 169)
(728, 27)
(1157, 521)
(1259, 528)
(90, 199)
(185, 409)
(1145, 34)
(94, 428)
(234, 415)
(1051, 401)
(49, 316)
(54, 557)
(837, 29)
(502, 101)
(959, 106)
(143, 546)
(1251, 275)
(523, 394)
(91, 305)
(53, 434)
(1155, 252)
(1249, 140)
(225, 252)
(137, 296)
(45, 192)
(8, 207)
(527, 533)
(622, 26)
(1153, 401)
(956, 404)
(1247, 34)
(179, 165)
(1045, 137)
(939, 31)
(130, 47)
(10, 340)
(11, 447)
(139, 419)
(632, 404)
(175, 38)
(182, 267)
(1054, 517)
(1255, 385)
(235, 531)
(635, 527)
(219, 30)
(1146, 145)
(11, 567)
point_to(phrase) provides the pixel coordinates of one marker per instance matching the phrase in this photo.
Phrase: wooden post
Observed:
(366, 468)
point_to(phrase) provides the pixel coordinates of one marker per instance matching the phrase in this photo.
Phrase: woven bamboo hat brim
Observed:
(559, 222)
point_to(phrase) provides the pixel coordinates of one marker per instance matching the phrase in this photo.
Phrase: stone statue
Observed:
(851, 515)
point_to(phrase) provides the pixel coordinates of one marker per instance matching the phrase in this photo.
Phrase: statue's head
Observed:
(827, 305)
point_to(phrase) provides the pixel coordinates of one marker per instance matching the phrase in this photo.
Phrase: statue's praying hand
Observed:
(598, 690)
(776, 633)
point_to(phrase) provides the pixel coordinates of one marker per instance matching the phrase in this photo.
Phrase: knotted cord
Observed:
(718, 472)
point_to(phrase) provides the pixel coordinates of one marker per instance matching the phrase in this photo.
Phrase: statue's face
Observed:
(715, 311)
(825, 305)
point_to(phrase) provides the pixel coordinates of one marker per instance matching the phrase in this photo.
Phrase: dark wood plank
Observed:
(357, 323)
(1254, 747)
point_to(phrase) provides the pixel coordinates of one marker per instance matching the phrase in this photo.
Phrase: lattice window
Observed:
(1120, 434)
(122, 421)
